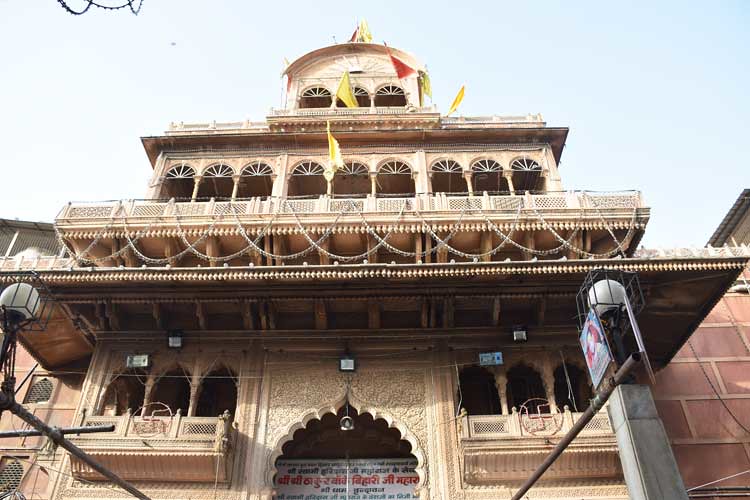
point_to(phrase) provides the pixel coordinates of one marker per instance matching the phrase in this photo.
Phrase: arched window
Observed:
(525, 386)
(218, 394)
(217, 182)
(40, 391)
(390, 96)
(354, 178)
(395, 178)
(307, 179)
(526, 175)
(126, 391)
(360, 95)
(256, 179)
(315, 97)
(447, 177)
(571, 388)
(173, 390)
(478, 392)
(179, 182)
(487, 175)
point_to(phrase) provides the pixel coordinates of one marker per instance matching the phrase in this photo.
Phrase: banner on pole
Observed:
(362, 479)
(595, 349)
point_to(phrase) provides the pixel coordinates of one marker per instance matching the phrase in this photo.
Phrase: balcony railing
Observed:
(438, 202)
(506, 449)
(517, 425)
(152, 448)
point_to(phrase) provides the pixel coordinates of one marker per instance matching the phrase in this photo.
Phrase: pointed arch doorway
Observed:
(371, 460)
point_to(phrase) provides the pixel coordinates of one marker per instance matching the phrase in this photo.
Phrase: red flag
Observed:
(354, 35)
(402, 69)
(288, 83)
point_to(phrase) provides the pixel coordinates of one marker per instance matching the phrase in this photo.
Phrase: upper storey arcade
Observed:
(312, 80)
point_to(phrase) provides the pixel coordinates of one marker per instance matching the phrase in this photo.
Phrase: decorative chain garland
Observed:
(349, 207)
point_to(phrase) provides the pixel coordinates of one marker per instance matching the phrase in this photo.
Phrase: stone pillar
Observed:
(197, 182)
(501, 382)
(648, 464)
(469, 183)
(373, 183)
(509, 178)
(194, 392)
(548, 377)
(236, 186)
(148, 393)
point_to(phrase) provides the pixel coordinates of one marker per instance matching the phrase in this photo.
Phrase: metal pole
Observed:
(57, 437)
(596, 404)
(63, 430)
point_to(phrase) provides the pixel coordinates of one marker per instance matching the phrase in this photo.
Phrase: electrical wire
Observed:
(89, 3)
(716, 393)
(718, 480)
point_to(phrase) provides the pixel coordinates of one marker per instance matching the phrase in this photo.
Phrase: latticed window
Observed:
(394, 167)
(317, 92)
(181, 172)
(219, 170)
(486, 166)
(362, 96)
(40, 391)
(11, 474)
(446, 166)
(257, 168)
(308, 168)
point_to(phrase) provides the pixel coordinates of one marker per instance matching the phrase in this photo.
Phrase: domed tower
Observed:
(313, 79)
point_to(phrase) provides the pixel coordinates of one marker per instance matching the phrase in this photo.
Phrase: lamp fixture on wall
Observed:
(174, 339)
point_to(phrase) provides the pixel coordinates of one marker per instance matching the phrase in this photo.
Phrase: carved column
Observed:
(373, 183)
(501, 382)
(548, 377)
(148, 392)
(469, 183)
(197, 182)
(236, 186)
(194, 392)
(509, 179)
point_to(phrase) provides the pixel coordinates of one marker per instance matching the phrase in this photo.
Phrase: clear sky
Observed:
(655, 93)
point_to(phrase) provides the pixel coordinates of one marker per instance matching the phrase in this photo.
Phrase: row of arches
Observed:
(392, 177)
(171, 392)
(388, 95)
(483, 393)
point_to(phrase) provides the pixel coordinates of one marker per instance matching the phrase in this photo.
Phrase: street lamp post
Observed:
(26, 305)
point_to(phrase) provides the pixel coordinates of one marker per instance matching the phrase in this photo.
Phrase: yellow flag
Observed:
(345, 93)
(457, 101)
(364, 32)
(425, 83)
(335, 161)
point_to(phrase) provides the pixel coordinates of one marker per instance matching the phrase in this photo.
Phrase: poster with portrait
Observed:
(594, 347)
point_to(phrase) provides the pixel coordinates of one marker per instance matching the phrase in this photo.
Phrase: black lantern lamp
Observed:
(617, 298)
(25, 305)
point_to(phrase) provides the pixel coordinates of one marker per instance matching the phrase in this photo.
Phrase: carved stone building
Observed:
(441, 238)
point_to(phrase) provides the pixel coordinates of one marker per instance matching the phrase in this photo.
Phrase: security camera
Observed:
(347, 423)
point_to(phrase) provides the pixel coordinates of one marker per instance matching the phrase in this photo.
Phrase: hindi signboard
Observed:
(595, 349)
(362, 479)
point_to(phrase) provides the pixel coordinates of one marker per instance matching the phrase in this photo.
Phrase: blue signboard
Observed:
(490, 358)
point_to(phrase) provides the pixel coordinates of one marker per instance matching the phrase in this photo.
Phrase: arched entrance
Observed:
(328, 460)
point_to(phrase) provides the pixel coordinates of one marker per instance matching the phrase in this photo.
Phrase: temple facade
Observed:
(254, 331)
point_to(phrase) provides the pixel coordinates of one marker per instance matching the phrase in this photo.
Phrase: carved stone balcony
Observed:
(596, 203)
(508, 448)
(197, 449)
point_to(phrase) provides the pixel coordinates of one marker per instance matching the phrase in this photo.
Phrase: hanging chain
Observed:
(89, 3)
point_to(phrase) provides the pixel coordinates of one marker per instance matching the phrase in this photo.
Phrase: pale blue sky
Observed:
(655, 93)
